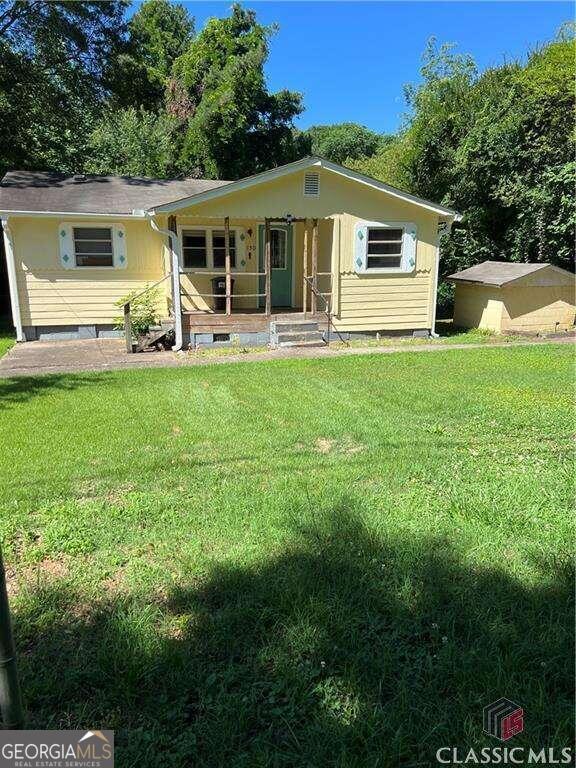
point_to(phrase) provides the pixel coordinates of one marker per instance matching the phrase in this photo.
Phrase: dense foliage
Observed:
(499, 147)
(344, 141)
(82, 89)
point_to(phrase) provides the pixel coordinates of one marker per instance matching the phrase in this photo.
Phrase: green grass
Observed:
(295, 563)
(7, 339)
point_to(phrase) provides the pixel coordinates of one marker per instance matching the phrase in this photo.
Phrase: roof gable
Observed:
(297, 166)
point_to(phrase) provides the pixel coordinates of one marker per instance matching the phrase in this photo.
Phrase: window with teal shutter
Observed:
(88, 245)
(382, 247)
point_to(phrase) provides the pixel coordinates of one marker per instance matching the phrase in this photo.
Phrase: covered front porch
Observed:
(244, 271)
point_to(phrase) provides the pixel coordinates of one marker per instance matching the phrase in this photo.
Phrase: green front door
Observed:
(281, 264)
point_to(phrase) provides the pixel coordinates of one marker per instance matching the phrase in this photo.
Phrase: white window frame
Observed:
(208, 230)
(409, 247)
(67, 245)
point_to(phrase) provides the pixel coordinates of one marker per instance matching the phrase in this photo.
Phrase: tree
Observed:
(344, 141)
(499, 147)
(133, 142)
(52, 62)
(158, 33)
(232, 126)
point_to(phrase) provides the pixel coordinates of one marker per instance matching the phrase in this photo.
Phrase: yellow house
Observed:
(281, 256)
(503, 296)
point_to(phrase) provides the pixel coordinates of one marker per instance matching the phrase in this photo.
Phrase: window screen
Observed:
(93, 247)
(384, 248)
(219, 249)
(194, 248)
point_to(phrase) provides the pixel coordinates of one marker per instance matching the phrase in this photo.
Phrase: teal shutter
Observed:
(409, 241)
(66, 246)
(119, 244)
(359, 251)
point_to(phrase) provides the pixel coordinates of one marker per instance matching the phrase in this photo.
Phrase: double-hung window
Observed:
(206, 248)
(384, 247)
(219, 248)
(194, 248)
(93, 246)
(90, 245)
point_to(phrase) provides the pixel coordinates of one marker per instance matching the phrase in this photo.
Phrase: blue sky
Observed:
(351, 59)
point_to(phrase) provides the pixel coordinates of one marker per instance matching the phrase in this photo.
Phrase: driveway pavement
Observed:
(36, 358)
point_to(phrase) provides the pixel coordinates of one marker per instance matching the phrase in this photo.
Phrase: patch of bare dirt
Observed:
(37, 575)
(346, 446)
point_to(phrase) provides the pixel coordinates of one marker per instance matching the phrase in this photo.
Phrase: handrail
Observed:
(127, 318)
(327, 310)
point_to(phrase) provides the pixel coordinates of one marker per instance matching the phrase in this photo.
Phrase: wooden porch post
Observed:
(305, 270)
(313, 300)
(267, 262)
(227, 265)
(128, 327)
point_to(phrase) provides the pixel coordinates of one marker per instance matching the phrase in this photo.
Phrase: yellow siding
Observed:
(361, 302)
(518, 307)
(52, 295)
(533, 309)
(478, 306)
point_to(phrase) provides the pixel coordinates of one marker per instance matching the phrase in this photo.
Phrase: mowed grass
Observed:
(298, 563)
(7, 339)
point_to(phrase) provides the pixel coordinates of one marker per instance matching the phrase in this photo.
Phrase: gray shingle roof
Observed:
(43, 191)
(495, 272)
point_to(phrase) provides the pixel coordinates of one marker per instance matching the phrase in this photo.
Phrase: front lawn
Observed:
(332, 562)
(7, 339)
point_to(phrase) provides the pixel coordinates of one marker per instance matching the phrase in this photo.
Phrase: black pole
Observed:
(11, 709)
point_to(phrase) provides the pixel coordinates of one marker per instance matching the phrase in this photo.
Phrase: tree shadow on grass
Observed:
(20, 389)
(345, 649)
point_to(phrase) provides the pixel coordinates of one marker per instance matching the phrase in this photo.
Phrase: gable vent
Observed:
(311, 185)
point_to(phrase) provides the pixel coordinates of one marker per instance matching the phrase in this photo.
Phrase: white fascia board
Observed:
(382, 187)
(75, 214)
(284, 170)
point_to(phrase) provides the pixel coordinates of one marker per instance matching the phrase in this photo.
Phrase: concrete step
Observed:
(287, 344)
(284, 338)
(293, 326)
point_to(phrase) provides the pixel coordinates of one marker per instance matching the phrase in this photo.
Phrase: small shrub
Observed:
(143, 311)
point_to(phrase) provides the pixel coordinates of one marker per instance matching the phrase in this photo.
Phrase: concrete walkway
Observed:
(36, 358)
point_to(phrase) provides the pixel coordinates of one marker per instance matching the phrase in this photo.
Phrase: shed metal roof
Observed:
(40, 191)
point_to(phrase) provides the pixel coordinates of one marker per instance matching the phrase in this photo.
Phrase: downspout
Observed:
(12, 281)
(445, 230)
(176, 301)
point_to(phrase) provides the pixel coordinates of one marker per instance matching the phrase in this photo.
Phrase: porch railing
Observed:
(128, 310)
(324, 296)
(227, 296)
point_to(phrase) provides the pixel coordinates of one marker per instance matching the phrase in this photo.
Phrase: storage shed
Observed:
(503, 296)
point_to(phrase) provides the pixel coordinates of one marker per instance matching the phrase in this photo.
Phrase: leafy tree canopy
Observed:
(344, 141)
(232, 125)
(133, 142)
(158, 33)
(52, 60)
(499, 147)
